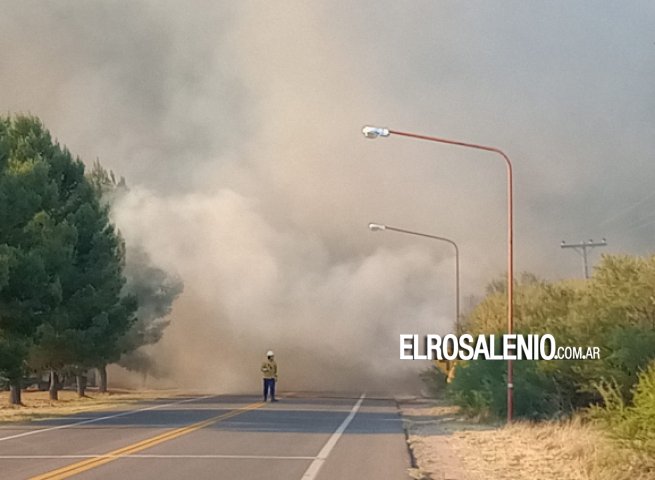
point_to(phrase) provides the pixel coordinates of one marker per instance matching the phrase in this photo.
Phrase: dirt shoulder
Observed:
(430, 426)
(447, 446)
(36, 404)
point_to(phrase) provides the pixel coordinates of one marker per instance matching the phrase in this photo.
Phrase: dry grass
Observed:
(36, 404)
(447, 446)
(557, 450)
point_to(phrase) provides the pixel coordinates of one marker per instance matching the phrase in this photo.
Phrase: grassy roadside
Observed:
(37, 405)
(448, 446)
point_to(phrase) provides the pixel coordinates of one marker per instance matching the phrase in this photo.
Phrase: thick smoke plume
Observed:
(237, 126)
(156, 291)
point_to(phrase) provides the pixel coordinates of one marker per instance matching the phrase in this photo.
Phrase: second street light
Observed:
(375, 132)
(377, 227)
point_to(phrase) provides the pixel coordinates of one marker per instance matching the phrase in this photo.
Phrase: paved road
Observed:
(305, 437)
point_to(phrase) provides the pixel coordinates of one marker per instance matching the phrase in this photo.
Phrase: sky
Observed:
(237, 128)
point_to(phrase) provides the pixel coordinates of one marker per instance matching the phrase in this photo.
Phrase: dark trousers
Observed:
(269, 386)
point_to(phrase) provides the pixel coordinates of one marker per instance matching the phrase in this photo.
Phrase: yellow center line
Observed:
(79, 467)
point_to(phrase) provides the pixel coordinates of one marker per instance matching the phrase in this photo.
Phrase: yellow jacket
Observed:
(269, 369)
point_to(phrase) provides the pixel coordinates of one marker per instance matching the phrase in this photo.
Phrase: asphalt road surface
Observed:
(303, 437)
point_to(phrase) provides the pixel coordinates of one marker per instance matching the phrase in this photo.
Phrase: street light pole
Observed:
(374, 132)
(377, 227)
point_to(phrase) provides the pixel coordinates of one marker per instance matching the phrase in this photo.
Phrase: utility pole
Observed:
(582, 248)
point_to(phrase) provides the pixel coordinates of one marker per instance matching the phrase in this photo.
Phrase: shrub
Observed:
(633, 425)
(480, 389)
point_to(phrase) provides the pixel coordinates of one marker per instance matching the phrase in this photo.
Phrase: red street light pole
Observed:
(378, 227)
(375, 132)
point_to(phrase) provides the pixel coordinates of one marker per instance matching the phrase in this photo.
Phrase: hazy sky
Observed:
(237, 125)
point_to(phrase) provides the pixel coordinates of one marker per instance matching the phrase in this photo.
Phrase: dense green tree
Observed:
(37, 188)
(93, 314)
(61, 260)
(154, 289)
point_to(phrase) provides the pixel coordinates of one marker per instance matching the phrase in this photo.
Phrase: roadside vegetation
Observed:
(37, 404)
(447, 444)
(73, 295)
(609, 402)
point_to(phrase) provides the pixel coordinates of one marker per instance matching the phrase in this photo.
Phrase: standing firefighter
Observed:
(269, 371)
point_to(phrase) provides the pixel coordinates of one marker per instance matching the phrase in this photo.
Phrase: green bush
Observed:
(614, 311)
(477, 386)
(480, 389)
(632, 424)
(631, 349)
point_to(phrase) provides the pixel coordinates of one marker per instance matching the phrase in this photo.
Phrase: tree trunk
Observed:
(81, 385)
(102, 373)
(14, 393)
(54, 386)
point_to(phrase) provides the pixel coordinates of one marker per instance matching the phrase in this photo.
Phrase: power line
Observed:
(582, 248)
(621, 213)
(636, 226)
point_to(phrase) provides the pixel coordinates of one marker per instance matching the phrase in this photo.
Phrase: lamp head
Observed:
(376, 227)
(375, 132)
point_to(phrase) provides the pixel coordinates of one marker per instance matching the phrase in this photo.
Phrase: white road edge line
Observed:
(98, 419)
(137, 456)
(315, 466)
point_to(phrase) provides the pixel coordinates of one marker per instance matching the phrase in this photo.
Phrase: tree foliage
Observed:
(154, 288)
(38, 187)
(632, 425)
(614, 310)
(61, 260)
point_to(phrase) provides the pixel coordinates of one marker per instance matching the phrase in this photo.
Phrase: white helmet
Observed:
(269, 353)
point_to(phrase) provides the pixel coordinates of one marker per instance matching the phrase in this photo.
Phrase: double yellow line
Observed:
(75, 468)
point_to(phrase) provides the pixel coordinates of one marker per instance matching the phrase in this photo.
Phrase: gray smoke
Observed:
(237, 126)
(156, 291)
